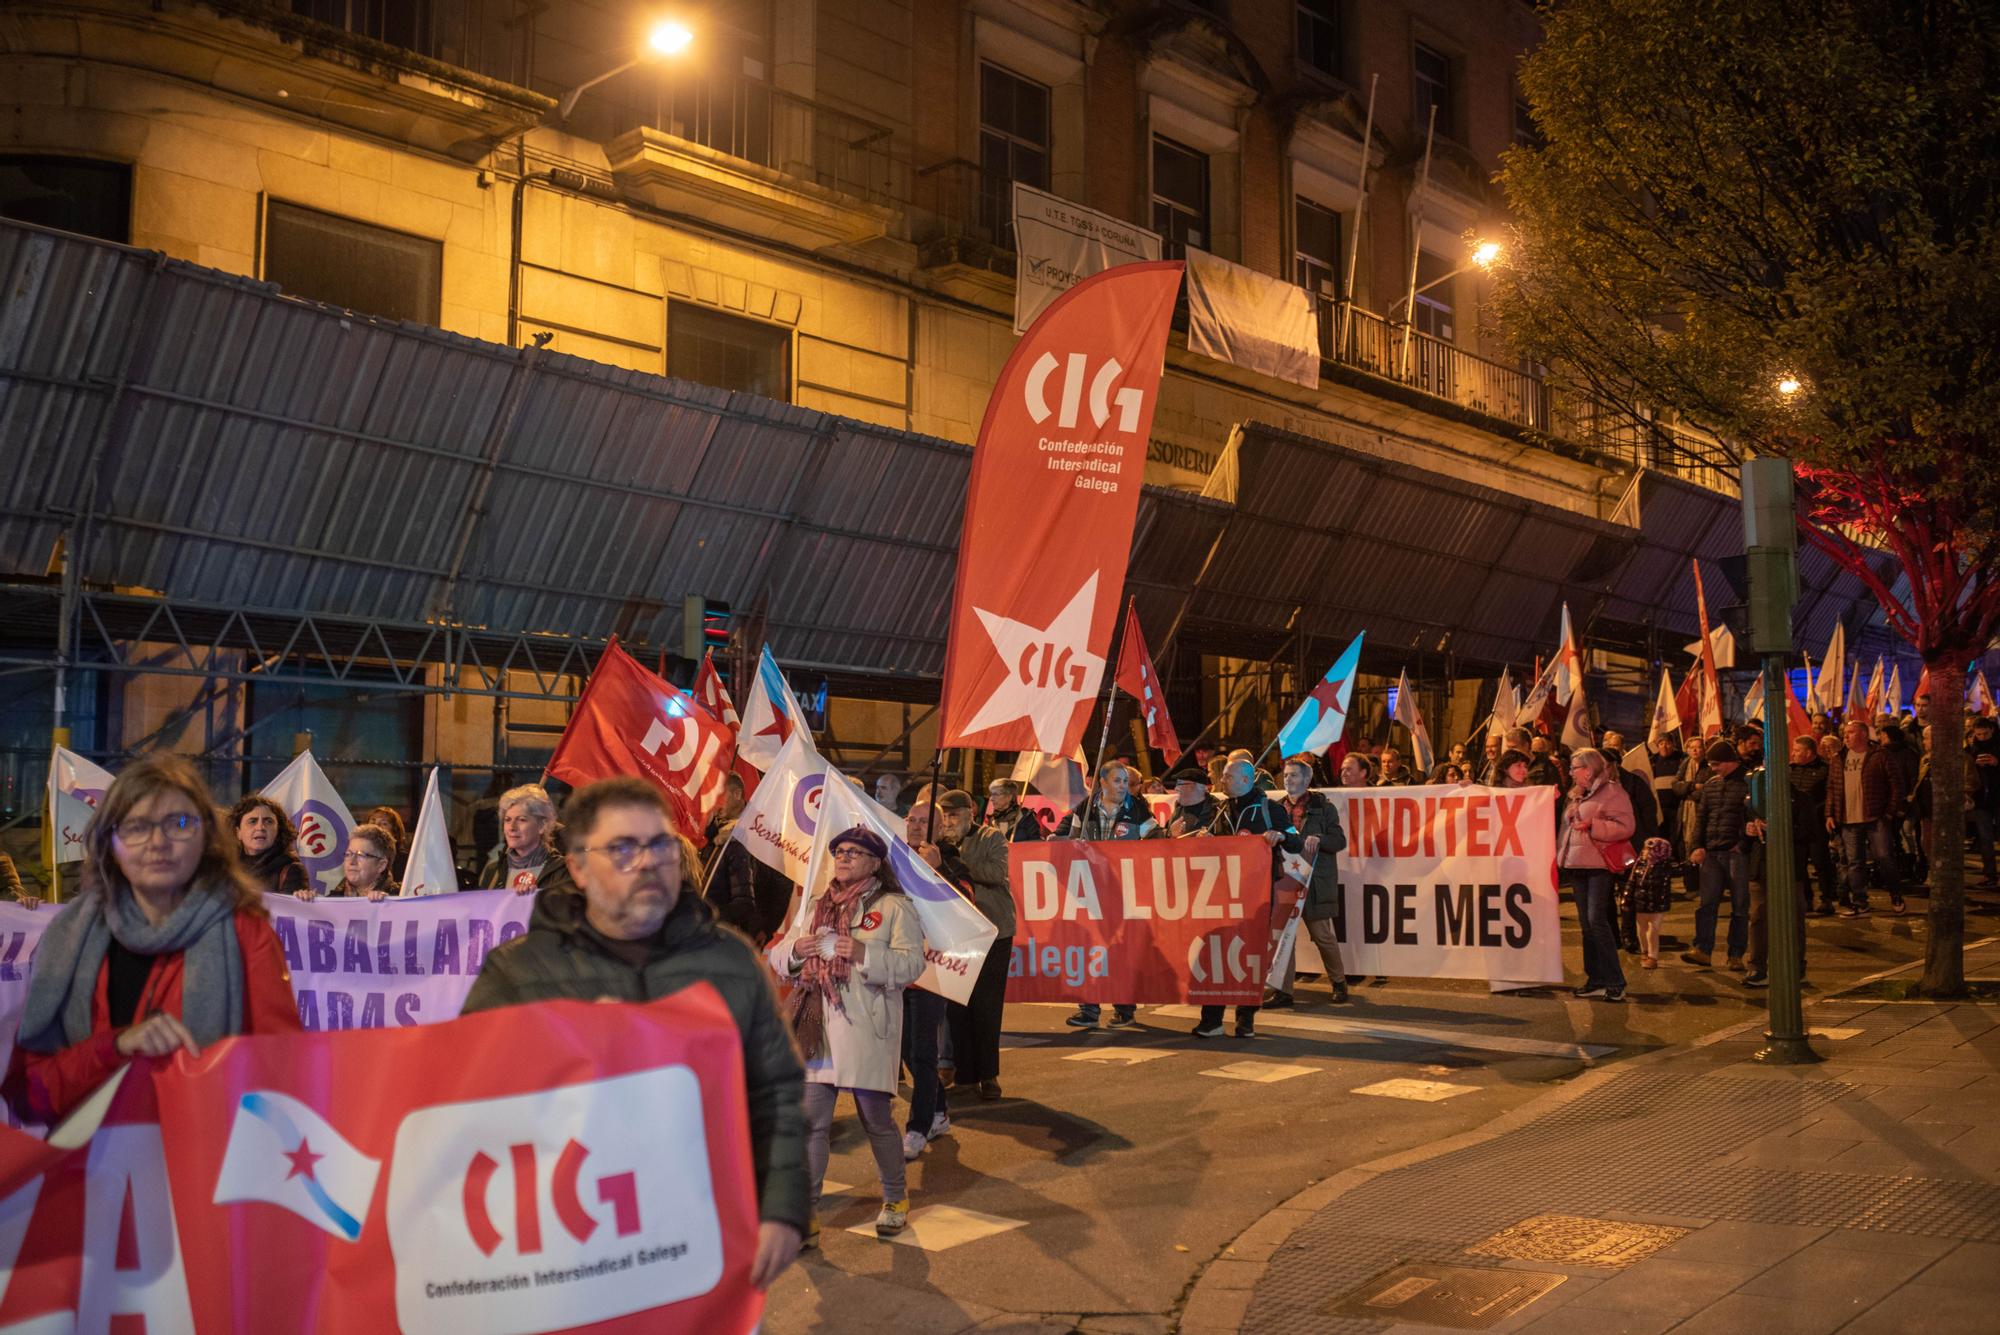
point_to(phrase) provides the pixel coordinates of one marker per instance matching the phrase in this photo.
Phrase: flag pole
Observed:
(1360, 212)
(1111, 681)
(930, 816)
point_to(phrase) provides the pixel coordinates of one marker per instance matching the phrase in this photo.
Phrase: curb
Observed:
(1222, 1291)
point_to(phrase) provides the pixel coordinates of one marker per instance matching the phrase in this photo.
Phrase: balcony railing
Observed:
(1352, 336)
(475, 35)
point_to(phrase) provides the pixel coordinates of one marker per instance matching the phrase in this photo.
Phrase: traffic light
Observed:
(705, 625)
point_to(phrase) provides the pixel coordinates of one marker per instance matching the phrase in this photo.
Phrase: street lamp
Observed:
(1484, 254)
(667, 38)
(1789, 385)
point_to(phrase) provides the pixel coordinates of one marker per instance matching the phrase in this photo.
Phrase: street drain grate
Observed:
(1575, 1240)
(1427, 1293)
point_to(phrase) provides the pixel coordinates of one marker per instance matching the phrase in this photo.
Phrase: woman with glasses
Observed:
(268, 846)
(166, 947)
(861, 947)
(367, 868)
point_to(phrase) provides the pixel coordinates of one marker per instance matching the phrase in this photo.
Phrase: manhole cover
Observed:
(1576, 1240)
(1429, 1294)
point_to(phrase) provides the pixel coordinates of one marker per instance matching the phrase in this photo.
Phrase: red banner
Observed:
(1138, 679)
(1049, 513)
(632, 721)
(559, 1166)
(1151, 921)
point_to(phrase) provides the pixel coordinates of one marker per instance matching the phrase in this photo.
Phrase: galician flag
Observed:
(770, 715)
(317, 813)
(1322, 716)
(282, 1152)
(1666, 710)
(432, 870)
(1408, 715)
(76, 786)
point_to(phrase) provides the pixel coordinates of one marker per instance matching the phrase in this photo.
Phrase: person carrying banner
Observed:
(977, 859)
(862, 946)
(1593, 829)
(1394, 773)
(366, 867)
(1719, 847)
(267, 845)
(1512, 770)
(391, 820)
(1322, 839)
(636, 929)
(1004, 812)
(527, 858)
(1248, 811)
(748, 895)
(1110, 812)
(1357, 771)
(167, 946)
(1194, 809)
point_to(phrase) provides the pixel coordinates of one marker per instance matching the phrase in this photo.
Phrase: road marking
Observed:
(1421, 1091)
(1263, 1073)
(937, 1227)
(1835, 1034)
(1412, 1033)
(1122, 1056)
(831, 1188)
(1023, 1040)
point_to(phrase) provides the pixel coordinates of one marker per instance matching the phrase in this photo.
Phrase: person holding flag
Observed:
(977, 858)
(861, 947)
(1112, 811)
(1318, 822)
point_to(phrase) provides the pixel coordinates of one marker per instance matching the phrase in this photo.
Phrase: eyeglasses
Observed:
(361, 855)
(851, 851)
(179, 828)
(623, 854)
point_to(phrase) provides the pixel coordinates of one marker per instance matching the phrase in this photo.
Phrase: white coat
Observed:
(864, 1047)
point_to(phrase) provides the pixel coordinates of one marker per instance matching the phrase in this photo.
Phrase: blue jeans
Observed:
(1597, 915)
(1872, 839)
(1718, 865)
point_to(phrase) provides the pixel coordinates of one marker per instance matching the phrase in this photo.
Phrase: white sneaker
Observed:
(913, 1145)
(939, 1125)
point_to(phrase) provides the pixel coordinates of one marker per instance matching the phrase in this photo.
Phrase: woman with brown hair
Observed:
(166, 946)
(268, 845)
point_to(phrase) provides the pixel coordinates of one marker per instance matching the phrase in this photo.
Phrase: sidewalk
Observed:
(1698, 1190)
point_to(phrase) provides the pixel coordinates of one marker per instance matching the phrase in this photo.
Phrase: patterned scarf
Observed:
(820, 980)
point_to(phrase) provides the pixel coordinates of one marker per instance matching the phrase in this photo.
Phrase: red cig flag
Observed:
(1138, 679)
(1049, 514)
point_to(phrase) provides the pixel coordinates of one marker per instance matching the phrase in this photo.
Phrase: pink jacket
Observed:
(1606, 813)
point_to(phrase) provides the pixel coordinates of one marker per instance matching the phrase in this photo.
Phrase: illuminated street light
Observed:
(665, 39)
(1788, 385)
(1485, 253)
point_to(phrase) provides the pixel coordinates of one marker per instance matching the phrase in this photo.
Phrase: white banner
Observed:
(1443, 882)
(76, 786)
(1058, 243)
(1251, 320)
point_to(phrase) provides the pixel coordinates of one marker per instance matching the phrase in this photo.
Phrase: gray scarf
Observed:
(63, 985)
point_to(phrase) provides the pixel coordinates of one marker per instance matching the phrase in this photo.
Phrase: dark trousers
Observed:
(975, 1026)
(1760, 924)
(1245, 1015)
(1810, 849)
(923, 1012)
(1594, 911)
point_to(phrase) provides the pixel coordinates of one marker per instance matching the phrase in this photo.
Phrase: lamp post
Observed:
(1484, 253)
(1770, 541)
(666, 38)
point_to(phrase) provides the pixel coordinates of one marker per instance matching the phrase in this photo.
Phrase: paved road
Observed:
(1121, 1163)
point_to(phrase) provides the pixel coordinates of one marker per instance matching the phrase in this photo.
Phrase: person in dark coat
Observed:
(976, 856)
(1016, 824)
(268, 845)
(527, 858)
(1864, 798)
(1110, 812)
(636, 929)
(1318, 823)
(1982, 793)
(1194, 807)
(746, 894)
(1809, 847)
(1721, 849)
(1248, 811)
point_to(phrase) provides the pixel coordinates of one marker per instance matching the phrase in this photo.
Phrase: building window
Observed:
(1013, 146)
(1434, 314)
(1434, 81)
(324, 257)
(73, 194)
(1316, 257)
(1320, 35)
(729, 352)
(403, 23)
(1527, 134)
(1180, 196)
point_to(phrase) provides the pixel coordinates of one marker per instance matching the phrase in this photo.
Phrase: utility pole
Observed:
(1770, 540)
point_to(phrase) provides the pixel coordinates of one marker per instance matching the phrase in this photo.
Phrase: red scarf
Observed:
(820, 980)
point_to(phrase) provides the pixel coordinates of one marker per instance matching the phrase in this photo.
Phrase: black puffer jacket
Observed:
(562, 958)
(1721, 807)
(1809, 798)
